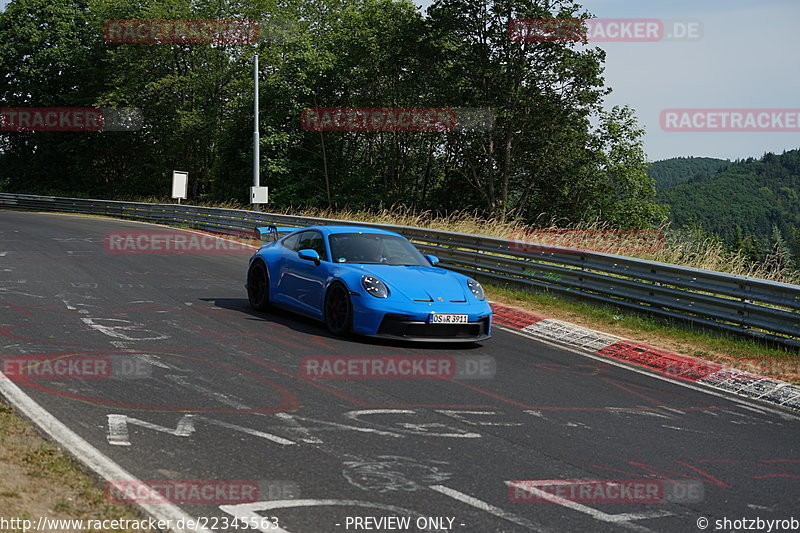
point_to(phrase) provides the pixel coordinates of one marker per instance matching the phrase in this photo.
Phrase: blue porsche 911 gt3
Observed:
(368, 281)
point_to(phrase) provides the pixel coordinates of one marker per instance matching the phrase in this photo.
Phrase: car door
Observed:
(303, 281)
(278, 268)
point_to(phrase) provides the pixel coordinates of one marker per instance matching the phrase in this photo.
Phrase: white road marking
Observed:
(274, 438)
(221, 397)
(488, 508)
(637, 411)
(460, 416)
(412, 428)
(307, 436)
(391, 473)
(622, 519)
(154, 360)
(534, 413)
(248, 512)
(751, 408)
(84, 284)
(88, 454)
(684, 429)
(118, 429)
(577, 425)
(330, 426)
(760, 507)
(119, 332)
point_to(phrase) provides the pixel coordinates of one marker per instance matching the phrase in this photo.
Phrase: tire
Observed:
(258, 286)
(338, 310)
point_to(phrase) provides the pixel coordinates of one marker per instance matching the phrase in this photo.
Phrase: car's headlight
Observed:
(374, 286)
(476, 289)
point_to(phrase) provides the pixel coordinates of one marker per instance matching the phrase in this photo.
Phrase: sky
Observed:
(747, 56)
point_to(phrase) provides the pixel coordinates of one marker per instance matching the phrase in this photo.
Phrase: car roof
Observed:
(334, 229)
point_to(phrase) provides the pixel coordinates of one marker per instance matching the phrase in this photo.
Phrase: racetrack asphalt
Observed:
(205, 389)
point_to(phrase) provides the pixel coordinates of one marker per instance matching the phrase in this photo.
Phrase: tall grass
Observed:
(684, 247)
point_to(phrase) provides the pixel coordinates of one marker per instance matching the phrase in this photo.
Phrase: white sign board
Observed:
(259, 195)
(179, 182)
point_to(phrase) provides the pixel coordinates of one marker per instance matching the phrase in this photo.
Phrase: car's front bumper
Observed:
(397, 326)
(410, 321)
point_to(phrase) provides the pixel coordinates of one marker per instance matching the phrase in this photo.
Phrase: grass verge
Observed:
(39, 479)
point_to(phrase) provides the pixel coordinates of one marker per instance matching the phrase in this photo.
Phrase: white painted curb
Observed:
(86, 453)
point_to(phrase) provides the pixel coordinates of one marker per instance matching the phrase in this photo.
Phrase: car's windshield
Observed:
(374, 248)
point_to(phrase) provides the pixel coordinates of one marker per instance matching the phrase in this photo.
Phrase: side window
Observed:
(313, 240)
(291, 241)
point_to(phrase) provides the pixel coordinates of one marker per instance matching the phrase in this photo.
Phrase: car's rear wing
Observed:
(273, 233)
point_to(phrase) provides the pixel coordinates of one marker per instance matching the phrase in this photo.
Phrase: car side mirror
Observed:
(309, 255)
(432, 259)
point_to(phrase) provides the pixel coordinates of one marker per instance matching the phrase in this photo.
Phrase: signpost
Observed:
(258, 194)
(179, 182)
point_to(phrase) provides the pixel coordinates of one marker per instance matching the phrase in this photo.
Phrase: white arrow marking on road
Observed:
(118, 429)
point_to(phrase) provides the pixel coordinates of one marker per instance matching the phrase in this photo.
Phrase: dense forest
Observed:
(752, 204)
(553, 152)
(679, 170)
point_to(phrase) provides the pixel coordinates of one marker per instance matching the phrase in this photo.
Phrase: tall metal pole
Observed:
(256, 158)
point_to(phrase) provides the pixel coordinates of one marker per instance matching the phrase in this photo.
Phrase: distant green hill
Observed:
(679, 170)
(737, 199)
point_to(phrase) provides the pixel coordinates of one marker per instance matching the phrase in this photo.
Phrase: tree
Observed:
(779, 257)
(623, 193)
(50, 57)
(542, 94)
(540, 158)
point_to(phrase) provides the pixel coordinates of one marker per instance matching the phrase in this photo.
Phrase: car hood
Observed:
(420, 282)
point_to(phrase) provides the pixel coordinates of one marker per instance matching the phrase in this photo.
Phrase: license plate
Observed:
(449, 319)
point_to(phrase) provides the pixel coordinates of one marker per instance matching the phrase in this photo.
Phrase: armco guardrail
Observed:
(751, 306)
